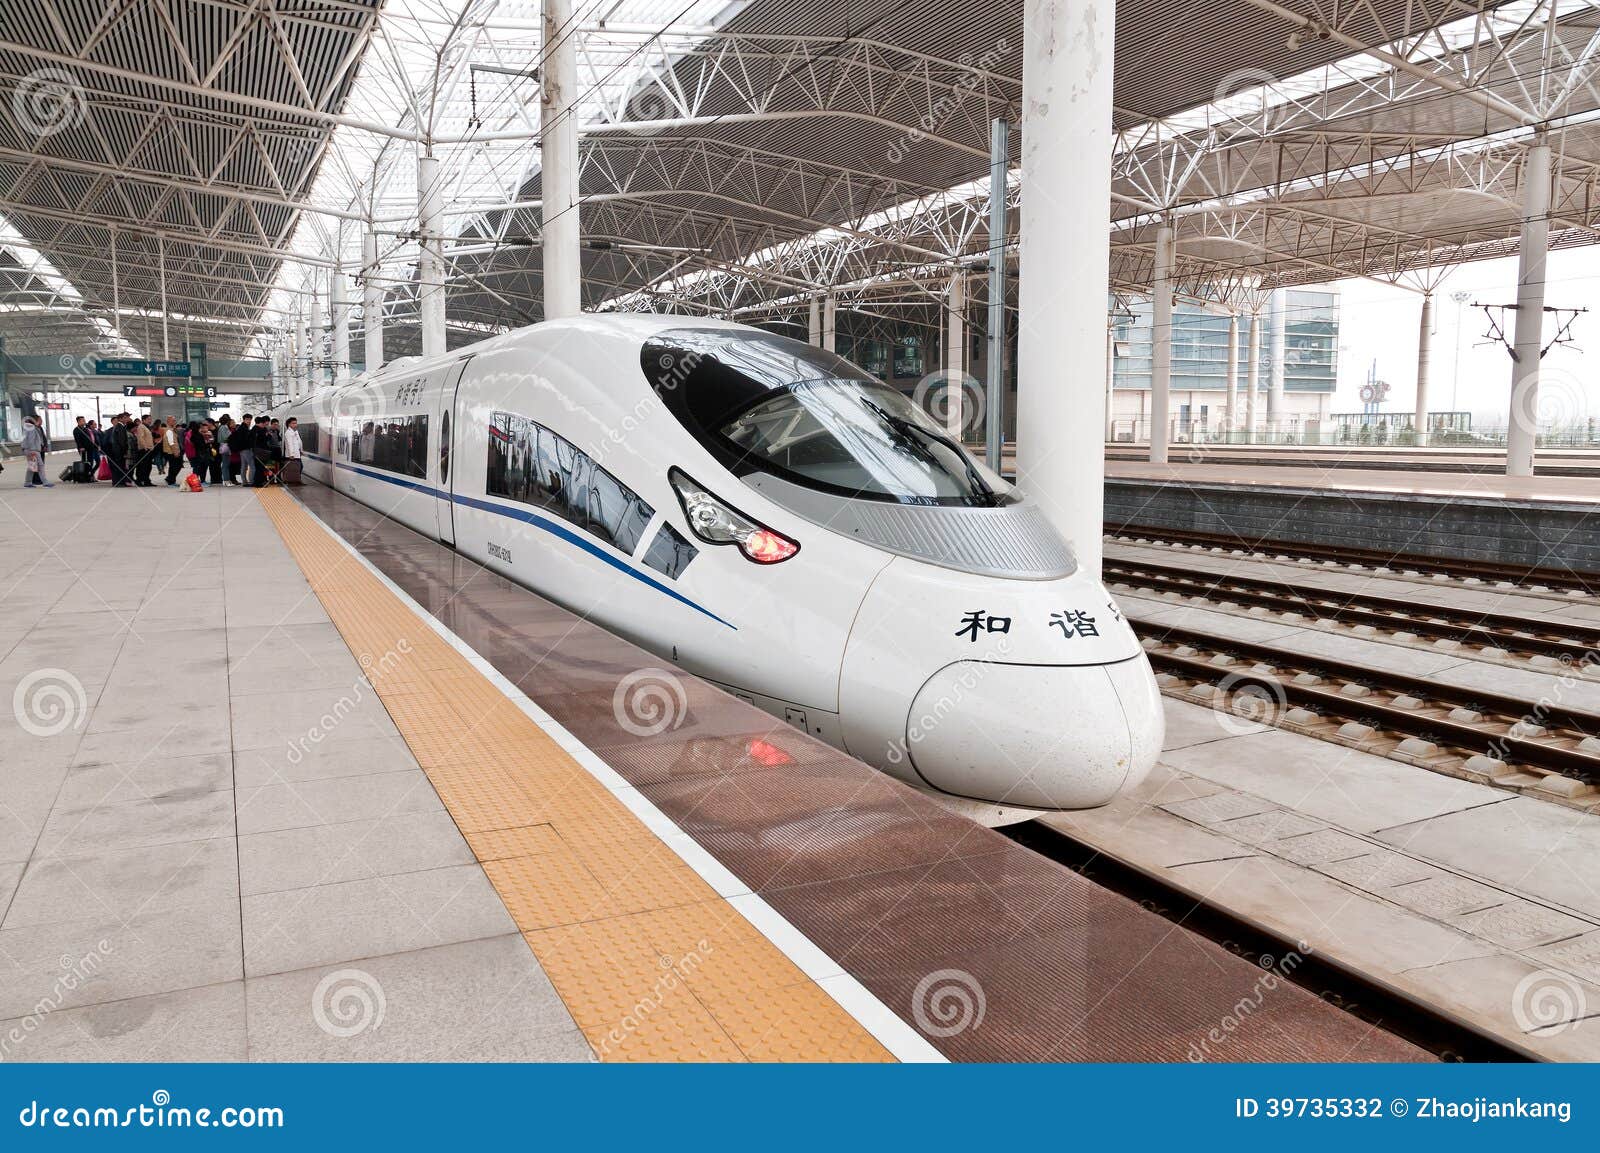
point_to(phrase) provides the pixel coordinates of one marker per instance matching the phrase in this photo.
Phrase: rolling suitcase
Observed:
(289, 472)
(78, 472)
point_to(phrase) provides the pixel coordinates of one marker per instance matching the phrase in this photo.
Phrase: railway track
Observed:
(1545, 643)
(1445, 1036)
(1510, 740)
(1378, 560)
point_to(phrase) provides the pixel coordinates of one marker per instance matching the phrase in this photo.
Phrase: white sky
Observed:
(1380, 321)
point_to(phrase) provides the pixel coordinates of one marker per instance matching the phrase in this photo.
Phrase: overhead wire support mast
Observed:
(1565, 319)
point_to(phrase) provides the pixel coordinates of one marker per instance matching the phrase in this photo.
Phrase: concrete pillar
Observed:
(1111, 377)
(339, 303)
(995, 329)
(558, 162)
(1161, 345)
(1232, 420)
(1522, 429)
(1252, 378)
(299, 372)
(1064, 265)
(955, 356)
(814, 326)
(1275, 365)
(430, 258)
(830, 314)
(1424, 362)
(316, 355)
(371, 303)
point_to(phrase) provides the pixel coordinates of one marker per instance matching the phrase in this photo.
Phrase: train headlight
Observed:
(717, 522)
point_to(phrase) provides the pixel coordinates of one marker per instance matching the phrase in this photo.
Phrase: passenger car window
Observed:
(531, 464)
(669, 553)
(397, 444)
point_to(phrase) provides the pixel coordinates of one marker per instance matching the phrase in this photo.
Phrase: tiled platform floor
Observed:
(213, 843)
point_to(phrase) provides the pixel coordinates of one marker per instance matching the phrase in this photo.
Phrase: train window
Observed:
(669, 553)
(444, 448)
(397, 444)
(616, 514)
(532, 465)
(766, 403)
(310, 436)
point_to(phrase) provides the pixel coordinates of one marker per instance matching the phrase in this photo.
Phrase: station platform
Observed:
(1477, 902)
(285, 781)
(1536, 522)
(1463, 886)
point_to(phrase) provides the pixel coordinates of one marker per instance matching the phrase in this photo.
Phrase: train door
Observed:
(445, 418)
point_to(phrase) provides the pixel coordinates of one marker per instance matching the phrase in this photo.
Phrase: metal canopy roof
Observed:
(738, 158)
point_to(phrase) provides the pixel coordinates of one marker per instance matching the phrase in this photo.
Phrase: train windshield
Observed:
(763, 402)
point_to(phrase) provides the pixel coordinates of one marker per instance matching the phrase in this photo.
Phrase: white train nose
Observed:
(1037, 736)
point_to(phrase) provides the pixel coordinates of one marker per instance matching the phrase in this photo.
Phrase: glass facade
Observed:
(1200, 345)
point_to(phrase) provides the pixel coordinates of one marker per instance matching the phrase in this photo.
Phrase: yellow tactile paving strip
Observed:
(650, 961)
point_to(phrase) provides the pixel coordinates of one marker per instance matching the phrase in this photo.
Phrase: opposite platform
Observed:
(1536, 522)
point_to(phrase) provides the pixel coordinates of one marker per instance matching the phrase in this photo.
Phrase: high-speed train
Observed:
(775, 520)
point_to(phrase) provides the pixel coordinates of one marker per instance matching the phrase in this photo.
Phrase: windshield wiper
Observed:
(974, 477)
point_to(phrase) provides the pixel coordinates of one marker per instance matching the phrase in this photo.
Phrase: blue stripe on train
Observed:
(528, 516)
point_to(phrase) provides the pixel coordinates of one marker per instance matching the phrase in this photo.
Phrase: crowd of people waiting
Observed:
(129, 449)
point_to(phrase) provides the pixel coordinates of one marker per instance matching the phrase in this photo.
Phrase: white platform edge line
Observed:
(902, 1041)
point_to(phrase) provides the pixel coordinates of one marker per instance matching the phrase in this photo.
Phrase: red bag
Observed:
(104, 471)
(193, 482)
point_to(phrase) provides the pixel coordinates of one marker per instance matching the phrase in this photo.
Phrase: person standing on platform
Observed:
(172, 446)
(117, 450)
(144, 452)
(265, 450)
(34, 445)
(224, 433)
(83, 441)
(94, 435)
(243, 438)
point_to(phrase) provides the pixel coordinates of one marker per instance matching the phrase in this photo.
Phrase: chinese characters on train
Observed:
(1073, 623)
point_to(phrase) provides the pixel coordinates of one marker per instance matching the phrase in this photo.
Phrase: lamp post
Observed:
(1460, 298)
